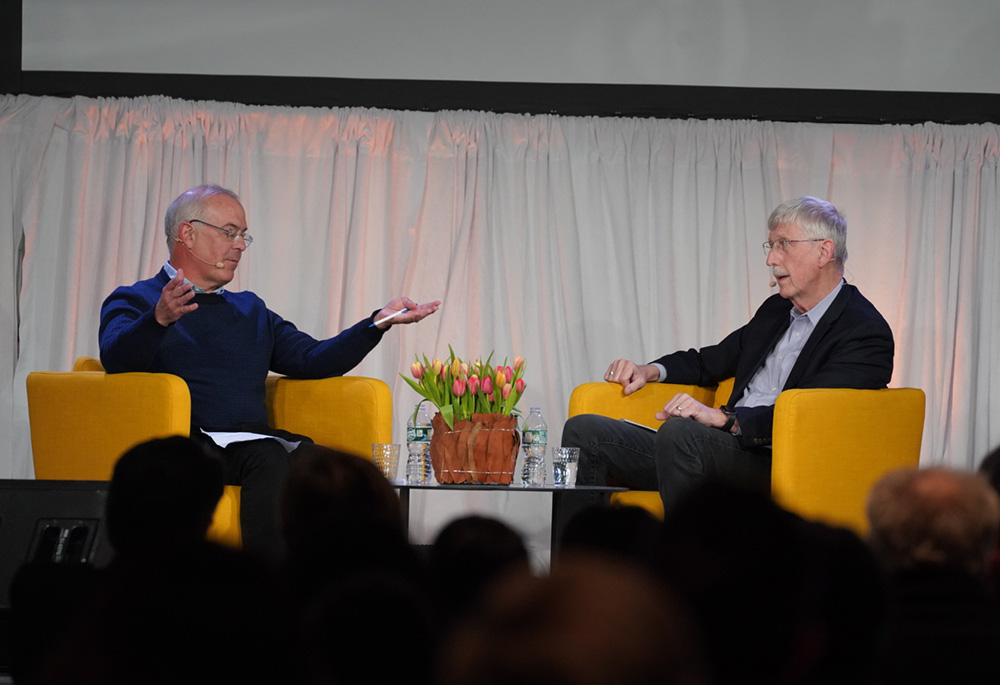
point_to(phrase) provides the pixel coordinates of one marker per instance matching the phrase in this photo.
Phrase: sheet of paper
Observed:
(223, 439)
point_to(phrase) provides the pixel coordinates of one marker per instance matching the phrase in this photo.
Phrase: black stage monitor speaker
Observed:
(61, 521)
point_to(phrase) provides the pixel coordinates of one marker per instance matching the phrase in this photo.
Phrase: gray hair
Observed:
(818, 219)
(934, 515)
(189, 205)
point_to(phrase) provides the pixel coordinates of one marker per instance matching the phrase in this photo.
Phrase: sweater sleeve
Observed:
(129, 333)
(299, 355)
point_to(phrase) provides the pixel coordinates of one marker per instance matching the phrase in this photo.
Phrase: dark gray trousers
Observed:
(672, 460)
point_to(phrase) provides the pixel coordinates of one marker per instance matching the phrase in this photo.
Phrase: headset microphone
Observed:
(217, 265)
(772, 284)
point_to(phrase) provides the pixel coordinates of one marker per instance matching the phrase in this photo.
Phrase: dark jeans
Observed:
(259, 468)
(673, 459)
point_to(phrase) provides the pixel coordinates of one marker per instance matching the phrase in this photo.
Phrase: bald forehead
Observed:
(225, 211)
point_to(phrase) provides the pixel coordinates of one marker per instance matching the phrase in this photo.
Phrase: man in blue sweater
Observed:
(224, 344)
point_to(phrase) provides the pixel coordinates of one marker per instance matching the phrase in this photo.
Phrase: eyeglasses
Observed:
(781, 246)
(231, 233)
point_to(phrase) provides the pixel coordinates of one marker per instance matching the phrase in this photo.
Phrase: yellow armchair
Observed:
(82, 421)
(829, 445)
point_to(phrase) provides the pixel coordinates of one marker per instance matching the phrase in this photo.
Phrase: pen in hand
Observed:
(391, 316)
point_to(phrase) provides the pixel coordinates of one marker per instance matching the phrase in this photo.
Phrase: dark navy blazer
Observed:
(851, 347)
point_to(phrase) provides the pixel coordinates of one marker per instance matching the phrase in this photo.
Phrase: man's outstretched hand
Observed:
(416, 311)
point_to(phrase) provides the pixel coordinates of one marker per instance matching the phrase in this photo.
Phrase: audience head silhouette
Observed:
(163, 493)
(467, 555)
(934, 516)
(358, 586)
(990, 467)
(340, 517)
(324, 484)
(778, 599)
(593, 620)
(629, 533)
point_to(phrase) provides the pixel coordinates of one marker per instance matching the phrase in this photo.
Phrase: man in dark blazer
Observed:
(816, 332)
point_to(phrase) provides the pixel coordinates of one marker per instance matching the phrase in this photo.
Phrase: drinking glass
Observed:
(565, 461)
(386, 458)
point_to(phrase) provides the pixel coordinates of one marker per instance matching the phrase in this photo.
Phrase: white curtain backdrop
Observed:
(570, 241)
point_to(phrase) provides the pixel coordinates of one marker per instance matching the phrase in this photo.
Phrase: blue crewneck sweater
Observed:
(223, 350)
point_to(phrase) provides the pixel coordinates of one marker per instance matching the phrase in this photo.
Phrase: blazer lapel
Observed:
(822, 328)
(746, 373)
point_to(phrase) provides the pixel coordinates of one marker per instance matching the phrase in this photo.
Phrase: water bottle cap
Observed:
(536, 409)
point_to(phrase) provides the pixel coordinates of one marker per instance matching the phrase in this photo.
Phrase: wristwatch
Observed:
(730, 420)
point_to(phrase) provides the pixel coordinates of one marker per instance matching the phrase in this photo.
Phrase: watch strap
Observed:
(730, 420)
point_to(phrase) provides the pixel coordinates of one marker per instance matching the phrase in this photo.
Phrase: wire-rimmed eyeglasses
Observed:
(231, 233)
(781, 246)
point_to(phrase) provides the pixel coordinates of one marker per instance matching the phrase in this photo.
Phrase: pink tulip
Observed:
(509, 373)
(474, 385)
(417, 370)
(488, 386)
(463, 369)
(489, 397)
(519, 385)
(458, 387)
(518, 363)
(505, 393)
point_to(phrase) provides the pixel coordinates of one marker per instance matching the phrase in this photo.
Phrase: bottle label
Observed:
(535, 437)
(418, 433)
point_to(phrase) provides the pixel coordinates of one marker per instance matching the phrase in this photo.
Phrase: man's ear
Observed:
(826, 251)
(185, 233)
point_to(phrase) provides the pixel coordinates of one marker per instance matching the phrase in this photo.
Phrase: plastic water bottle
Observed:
(534, 441)
(418, 446)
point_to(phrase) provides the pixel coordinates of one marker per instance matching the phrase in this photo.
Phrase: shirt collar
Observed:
(172, 272)
(817, 312)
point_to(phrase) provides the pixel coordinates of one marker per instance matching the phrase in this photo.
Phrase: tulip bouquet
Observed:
(459, 389)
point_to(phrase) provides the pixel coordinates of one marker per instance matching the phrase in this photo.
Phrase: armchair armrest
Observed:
(608, 399)
(347, 413)
(82, 421)
(831, 445)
